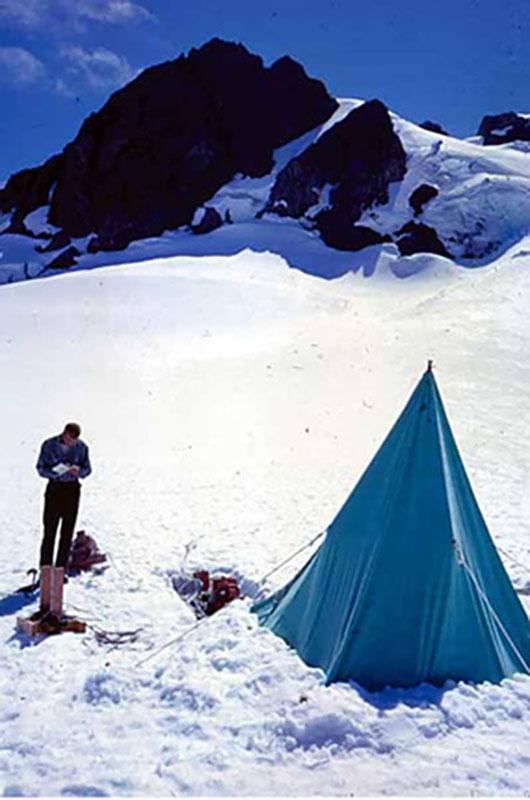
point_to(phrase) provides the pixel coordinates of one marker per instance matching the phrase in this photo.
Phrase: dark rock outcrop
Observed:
(504, 128)
(416, 237)
(420, 196)
(57, 242)
(18, 226)
(93, 245)
(210, 221)
(338, 232)
(166, 142)
(65, 259)
(358, 157)
(434, 127)
(29, 189)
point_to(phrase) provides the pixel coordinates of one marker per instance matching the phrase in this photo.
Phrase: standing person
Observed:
(63, 460)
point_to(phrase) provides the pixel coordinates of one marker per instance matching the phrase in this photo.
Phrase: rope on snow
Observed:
(170, 643)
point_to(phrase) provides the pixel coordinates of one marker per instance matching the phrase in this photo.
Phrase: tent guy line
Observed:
(197, 624)
(494, 614)
(293, 555)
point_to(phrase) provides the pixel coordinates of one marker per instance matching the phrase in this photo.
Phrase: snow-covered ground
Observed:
(231, 403)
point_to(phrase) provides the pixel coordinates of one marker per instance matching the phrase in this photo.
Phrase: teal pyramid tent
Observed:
(407, 585)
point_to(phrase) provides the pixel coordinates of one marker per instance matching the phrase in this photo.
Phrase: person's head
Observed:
(71, 433)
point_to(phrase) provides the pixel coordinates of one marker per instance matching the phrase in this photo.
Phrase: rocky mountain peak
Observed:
(167, 141)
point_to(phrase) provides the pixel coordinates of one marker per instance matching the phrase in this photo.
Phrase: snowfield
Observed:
(230, 404)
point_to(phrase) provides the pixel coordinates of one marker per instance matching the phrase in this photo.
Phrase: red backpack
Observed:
(216, 592)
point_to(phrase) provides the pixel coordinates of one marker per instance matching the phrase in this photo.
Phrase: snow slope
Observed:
(231, 404)
(484, 197)
(482, 209)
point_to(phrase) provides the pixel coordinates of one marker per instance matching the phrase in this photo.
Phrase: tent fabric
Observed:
(407, 585)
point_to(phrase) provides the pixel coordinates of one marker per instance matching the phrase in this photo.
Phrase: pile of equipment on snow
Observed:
(206, 593)
(84, 554)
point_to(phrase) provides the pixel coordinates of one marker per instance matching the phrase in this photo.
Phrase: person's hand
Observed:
(74, 470)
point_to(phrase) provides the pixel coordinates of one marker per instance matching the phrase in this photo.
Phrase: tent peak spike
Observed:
(430, 363)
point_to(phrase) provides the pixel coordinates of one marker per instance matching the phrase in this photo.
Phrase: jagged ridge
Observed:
(168, 140)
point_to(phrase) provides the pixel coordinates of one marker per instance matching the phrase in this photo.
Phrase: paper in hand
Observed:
(61, 469)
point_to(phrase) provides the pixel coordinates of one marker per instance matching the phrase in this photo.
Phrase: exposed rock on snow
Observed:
(415, 237)
(433, 127)
(420, 196)
(65, 259)
(358, 157)
(18, 226)
(58, 240)
(29, 189)
(210, 220)
(504, 128)
(337, 231)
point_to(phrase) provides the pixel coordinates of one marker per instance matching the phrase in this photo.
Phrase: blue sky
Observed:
(448, 61)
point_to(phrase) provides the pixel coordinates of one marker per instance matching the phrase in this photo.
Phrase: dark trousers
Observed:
(61, 503)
